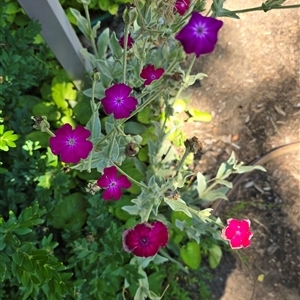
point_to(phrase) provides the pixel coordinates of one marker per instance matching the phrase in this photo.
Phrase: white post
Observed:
(60, 36)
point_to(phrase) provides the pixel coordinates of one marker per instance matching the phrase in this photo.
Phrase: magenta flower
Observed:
(71, 145)
(130, 42)
(145, 239)
(118, 102)
(199, 35)
(237, 233)
(150, 74)
(112, 184)
(181, 6)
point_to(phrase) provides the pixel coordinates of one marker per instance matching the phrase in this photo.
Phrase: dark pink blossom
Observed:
(71, 145)
(149, 73)
(181, 6)
(237, 233)
(200, 34)
(130, 41)
(113, 184)
(118, 102)
(145, 239)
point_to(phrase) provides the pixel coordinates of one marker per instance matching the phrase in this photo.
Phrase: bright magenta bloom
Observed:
(150, 74)
(145, 239)
(118, 102)
(237, 233)
(71, 145)
(112, 184)
(130, 42)
(181, 6)
(200, 34)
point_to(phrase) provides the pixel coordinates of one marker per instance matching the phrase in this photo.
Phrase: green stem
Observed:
(263, 8)
(183, 158)
(92, 39)
(49, 132)
(130, 178)
(92, 102)
(125, 51)
(141, 107)
(187, 74)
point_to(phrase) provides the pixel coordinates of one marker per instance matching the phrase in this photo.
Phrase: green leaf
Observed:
(82, 23)
(226, 167)
(22, 231)
(71, 213)
(178, 205)
(7, 139)
(115, 47)
(199, 116)
(212, 196)
(25, 278)
(62, 89)
(201, 183)
(190, 254)
(245, 169)
(102, 43)
(214, 256)
(18, 257)
(192, 78)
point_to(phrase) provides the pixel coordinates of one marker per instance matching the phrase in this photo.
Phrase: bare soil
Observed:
(253, 93)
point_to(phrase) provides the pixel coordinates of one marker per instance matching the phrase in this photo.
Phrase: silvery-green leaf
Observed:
(192, 78)
(133, 209)
(225, 182)
(82, 23)
(245, 169)
(115, 47)
(102, 43)
(178, 205)
(94, 125)
(201, 183)
(213, 195)
(226, 167)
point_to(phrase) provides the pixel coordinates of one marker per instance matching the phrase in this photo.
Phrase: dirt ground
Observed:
(253, 92)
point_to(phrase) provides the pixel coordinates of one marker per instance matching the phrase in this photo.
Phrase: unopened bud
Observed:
(131, 149)
(193, 145)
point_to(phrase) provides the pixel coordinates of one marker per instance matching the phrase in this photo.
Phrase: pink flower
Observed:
(145, 239)
(118, 102)
(130, 42)
(181, 6)
(71, 145)
(237, 233)
(200, 34)
(150, 74)
(112, 184)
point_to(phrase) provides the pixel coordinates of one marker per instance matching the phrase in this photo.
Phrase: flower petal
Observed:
(123, 182)
(159, 234)
(112, 193)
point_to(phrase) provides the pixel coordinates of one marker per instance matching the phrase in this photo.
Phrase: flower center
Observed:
(71, 142)
(119, 100)
(112, 184)
(200, 30)
(144, 241)
(153, 76)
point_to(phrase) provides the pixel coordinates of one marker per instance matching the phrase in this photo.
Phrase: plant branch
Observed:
(258, 8)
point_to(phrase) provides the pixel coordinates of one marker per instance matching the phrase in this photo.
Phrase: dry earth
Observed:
(253, 92)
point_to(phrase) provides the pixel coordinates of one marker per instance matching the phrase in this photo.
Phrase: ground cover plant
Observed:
(61, 236)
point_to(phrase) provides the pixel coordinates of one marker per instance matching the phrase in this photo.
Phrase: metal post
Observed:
(60, 36)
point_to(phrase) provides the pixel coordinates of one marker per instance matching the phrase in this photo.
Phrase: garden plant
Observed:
(98, 200)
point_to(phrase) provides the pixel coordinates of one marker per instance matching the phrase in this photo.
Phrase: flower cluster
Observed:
(198, 36)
